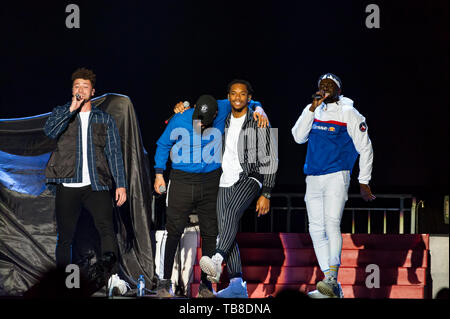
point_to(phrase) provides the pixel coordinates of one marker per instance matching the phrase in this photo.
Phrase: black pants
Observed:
(68, 203)
(182, 200)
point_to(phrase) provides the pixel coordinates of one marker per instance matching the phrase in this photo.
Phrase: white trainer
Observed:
(341, 293)
(316, 294)
(117, 286)
(212, 268)
(330, 287)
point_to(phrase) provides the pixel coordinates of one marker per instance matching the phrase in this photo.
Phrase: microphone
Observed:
(317, 96)
(186, 105)
(162, 189)
(78, 96)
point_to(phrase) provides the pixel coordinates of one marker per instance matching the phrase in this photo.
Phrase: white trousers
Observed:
(325, 200)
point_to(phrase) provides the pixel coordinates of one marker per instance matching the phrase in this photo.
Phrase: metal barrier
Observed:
(402, 208)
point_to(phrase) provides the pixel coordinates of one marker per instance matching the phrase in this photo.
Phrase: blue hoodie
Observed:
(187, 146)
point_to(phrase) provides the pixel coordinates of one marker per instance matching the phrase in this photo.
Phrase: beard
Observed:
(87, 97)
(332, 98)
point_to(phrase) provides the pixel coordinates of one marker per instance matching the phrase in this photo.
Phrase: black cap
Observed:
(205, 110)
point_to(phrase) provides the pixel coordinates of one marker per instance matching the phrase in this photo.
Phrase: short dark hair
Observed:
(85, 74)
(246, 83)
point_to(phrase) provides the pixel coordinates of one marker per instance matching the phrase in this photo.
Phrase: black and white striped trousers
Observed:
(231, 205)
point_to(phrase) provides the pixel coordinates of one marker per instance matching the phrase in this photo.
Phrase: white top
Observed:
(84, 116)
(230, 160)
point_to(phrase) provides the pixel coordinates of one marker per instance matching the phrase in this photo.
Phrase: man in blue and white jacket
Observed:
(336, 134)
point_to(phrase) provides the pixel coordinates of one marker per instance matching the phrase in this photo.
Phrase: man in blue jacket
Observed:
(194, 141)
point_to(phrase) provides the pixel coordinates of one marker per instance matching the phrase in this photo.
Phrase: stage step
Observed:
(311, 275)
(258, 290)
(349, 241)
(287, 261)
(349, 258)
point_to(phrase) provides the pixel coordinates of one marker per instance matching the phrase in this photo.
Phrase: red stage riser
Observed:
(287, 261)
(310, 275)
(350, 291)
(349, 258)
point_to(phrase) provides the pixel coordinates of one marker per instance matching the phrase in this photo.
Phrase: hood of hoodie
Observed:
(335, 105)
(345, 100)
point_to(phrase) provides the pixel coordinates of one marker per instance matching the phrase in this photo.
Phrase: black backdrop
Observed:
(162, 52)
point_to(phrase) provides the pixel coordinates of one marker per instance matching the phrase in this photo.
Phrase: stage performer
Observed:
(249, 166)
(194, 177)
(86, 164)
(336, 133)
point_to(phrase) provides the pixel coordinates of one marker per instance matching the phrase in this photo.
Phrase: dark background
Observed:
(159, 53)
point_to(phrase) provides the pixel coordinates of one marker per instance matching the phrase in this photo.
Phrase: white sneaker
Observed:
(212, 268)
(330, 287)
(341, 293)
(117, 286)
(316, 294)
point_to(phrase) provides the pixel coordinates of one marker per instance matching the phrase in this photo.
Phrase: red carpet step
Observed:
(349, 258)
(273, 262)
(310, 275)
(264, 290)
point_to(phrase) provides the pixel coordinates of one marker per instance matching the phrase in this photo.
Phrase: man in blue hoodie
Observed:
(336, 134)
(193, 139)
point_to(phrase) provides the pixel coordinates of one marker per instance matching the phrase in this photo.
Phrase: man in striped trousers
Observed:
(249, 166)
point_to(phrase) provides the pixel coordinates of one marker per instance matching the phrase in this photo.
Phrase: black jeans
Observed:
(182, 200)
(68, 203)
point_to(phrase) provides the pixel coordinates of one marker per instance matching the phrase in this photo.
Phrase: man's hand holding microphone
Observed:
(160, 184)
(77, 102)
(318, 99)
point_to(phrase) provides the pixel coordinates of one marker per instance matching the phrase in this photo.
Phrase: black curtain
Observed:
(27, 220)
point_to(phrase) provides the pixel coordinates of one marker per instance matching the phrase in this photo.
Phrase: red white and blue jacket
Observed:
(336, 133)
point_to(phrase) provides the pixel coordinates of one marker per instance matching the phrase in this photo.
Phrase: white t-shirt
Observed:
(84, 116)
(230, 161)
